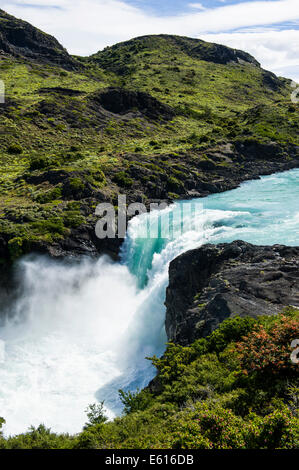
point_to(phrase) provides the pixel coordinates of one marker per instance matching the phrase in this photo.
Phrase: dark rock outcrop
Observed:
(121, 101)
(220, 54)
(61, 91)
(214, 282)
(20, 39)
(270, 80)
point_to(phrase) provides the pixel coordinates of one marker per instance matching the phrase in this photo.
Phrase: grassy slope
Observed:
(215, 103)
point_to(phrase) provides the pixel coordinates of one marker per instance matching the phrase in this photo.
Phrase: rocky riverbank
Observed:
(244, 161)
(215, 282)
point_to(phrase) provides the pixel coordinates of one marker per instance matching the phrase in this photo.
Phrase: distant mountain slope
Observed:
(192, 69)
(195, 48)
(156, 117)
(20, 39)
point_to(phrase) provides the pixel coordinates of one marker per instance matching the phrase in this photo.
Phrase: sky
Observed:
(268, 29)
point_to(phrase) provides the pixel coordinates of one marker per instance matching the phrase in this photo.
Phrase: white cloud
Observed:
(276, 50)
(85, 26)
(198, 6)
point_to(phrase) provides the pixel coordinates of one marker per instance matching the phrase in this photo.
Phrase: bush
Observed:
(278, 430)
(122, 179)
(49, 196)
(269, 351)
(173, 362)
(174, 185)
(15, 149)
(15, 247)
(232, 329)
(38, 438)
(76, 184)
(211, 426)
(39, 163)
(74, 148)
(208, 428)
(73, 219)
(53, 225)
(2, 421)
(135, 401)
(42, 162)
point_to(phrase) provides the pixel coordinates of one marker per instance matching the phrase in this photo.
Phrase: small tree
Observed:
(2, 421)
(95, 414)
(135, 401)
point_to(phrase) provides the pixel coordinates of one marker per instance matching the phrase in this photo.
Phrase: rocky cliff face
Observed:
(214, 282)
(20, 39)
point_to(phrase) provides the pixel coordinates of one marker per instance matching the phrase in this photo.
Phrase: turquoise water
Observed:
(265, 211)
(81, 331)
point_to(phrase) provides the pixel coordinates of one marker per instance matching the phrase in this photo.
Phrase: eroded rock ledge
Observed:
(214, 282)
(20, 39)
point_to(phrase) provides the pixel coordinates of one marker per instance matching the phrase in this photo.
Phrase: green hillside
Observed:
(191, 118)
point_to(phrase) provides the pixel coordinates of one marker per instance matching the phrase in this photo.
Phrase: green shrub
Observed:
(74, 148)
(208, 428)
(2, 421)
(123, 180)
(53, 225)
(174, 185)
(49, 196)
(135, 401)
(15, 149)
(230, 330)
(15, 247)
(73, 219)
(76, 184)
(38, 438)
(277, 430)
(39, 163)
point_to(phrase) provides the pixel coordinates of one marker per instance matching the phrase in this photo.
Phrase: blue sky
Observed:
(165, 7)
(268, 29)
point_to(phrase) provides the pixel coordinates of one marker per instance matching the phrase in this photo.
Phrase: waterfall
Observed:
(79, 331)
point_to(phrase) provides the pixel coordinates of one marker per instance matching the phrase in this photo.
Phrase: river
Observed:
(80, 331)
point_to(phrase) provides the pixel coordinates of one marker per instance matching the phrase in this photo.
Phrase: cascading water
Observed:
(80, 331)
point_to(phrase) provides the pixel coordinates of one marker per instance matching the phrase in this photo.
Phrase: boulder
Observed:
(214, 282)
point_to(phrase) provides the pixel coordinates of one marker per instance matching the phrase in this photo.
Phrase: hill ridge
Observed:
(19, 38)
